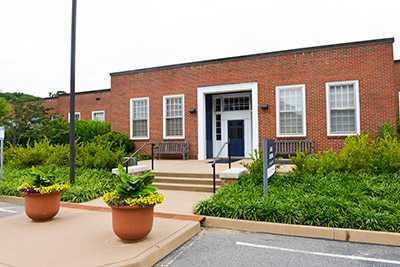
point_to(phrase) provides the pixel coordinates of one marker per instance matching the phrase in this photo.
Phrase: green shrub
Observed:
(86, 130)
(386, 128)
(143, 156)
(98, 156)
(43, 153)
(39, 154)
(57, 131)
(117, 140)
(257, 165)
(359, 155)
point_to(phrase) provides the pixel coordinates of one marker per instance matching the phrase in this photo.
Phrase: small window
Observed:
(98, 115)
(237, 103)
(54, 116)
(173, 116)
(77, 116)
(342, 103)
(218, 127)
(217, 104)
(140, 118)
(290, 110)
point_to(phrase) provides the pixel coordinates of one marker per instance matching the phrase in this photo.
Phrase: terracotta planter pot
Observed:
(42, 207)
(132, 223)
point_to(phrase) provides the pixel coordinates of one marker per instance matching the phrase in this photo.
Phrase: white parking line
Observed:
(10, 211)
(349, 257)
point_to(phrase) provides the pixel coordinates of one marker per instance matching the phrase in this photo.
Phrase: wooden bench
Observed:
(290, 147)
(172, 148)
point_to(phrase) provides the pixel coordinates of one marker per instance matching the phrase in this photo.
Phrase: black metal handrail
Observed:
(152, 156)
(216, 158)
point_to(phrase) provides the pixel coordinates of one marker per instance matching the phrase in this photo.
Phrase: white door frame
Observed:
(201, 107)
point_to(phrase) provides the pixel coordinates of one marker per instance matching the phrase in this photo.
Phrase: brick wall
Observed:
(85, 103)
(370, 64)
(397, 74)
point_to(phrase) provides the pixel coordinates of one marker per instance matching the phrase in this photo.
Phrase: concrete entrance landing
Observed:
(190, 166)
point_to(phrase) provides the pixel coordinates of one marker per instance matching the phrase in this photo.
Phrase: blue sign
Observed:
(269, 162)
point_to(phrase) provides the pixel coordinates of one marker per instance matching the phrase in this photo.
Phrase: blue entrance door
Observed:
(236, 135)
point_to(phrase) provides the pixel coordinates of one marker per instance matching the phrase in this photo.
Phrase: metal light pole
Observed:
(72, 99)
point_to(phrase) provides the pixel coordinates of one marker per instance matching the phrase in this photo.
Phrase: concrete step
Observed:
(185, 175)
(186, 180)
(185, 187)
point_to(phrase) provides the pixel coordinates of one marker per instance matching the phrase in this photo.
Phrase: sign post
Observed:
(1, 140)
(269, 162)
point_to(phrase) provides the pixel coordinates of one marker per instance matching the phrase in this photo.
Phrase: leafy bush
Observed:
(359, 155)
(86, 130)
(98, 156)
(143, 156)
(117, 140)
(386, 128)
(89, 183)
(39, 154)
(257, 165)
(43, 153)
(357, 201)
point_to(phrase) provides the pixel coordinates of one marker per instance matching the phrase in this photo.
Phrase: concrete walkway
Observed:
(82, 235)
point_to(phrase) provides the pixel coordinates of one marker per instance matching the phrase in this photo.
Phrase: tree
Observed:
(58, 93)
(23, 118)
(18, 96)
(4, 108)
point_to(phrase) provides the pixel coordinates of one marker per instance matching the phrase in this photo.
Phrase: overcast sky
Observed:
(119, 35)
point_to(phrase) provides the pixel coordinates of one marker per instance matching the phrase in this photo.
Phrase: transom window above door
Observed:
(237, 103)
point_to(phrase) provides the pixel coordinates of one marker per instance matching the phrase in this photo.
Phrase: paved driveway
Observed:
(221, 247)
(7, 209)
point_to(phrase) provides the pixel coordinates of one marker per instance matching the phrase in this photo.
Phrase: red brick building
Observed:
(88, 105)
(322, 93)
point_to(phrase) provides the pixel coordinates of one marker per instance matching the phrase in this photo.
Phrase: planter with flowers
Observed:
(42, 194)
(132, 205)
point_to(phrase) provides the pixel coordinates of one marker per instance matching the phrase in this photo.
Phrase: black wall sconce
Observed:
(192, 111)
(264, 106)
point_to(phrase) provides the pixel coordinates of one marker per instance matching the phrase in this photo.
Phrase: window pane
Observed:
(291, 111)
(139, 118)
(239, 133)
(174, 127)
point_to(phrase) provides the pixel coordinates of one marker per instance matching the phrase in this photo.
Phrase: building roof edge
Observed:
(282, 52)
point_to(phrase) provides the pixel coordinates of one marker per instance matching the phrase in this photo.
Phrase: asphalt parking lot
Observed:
(7, 209)
(222, 247)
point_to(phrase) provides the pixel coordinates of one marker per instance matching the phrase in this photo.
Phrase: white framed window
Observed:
(77, 116)
(140, 118)
(173, 116)
(343, 108)
(98, 115)
(53, 116)
(291, 110)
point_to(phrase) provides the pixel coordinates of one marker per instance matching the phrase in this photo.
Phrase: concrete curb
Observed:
(13, 200)
(157, 253)
(342, 234)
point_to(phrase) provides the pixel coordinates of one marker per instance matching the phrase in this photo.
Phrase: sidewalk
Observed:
(82, 235)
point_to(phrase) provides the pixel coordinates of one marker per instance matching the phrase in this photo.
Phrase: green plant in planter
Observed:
(42, 182)
(134, 190)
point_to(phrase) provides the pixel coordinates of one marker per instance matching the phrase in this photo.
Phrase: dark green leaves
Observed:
(134, 186)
